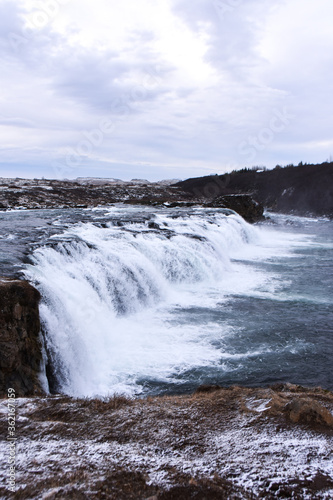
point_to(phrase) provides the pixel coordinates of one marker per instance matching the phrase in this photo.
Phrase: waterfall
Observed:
(112, 292)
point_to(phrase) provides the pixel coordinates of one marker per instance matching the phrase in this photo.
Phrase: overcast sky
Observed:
(163, 88)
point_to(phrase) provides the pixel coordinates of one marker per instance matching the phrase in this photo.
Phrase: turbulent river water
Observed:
(159, 300)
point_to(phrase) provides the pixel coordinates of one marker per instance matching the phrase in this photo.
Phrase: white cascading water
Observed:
(110, 295)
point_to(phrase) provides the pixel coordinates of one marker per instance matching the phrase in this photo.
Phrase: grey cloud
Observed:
(233, 27)
(103, 81)
(54, 91)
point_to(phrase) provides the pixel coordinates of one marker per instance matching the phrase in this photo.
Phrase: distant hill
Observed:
(305, 189)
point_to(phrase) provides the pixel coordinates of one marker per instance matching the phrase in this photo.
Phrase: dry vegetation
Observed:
(217, 443)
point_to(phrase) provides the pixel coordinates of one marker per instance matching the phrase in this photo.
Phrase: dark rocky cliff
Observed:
(243, 204)
(20, 347)
(302, 190)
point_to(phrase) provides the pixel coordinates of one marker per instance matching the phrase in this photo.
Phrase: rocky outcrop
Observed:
(243, 204)
(308, 411)
(20, 347)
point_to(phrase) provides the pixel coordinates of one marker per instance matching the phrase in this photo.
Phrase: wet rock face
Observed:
(243, 204)
(20, 347)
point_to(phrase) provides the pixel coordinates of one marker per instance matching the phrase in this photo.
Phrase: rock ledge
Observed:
(20, 346)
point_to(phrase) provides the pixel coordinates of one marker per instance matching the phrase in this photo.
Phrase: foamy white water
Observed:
(130, 307)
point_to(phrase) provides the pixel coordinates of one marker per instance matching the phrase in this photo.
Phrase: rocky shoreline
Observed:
(45, 193)
(88, 193)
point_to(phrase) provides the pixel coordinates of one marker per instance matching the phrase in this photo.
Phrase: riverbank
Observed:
(235, 443)
(48, 193)
(88, 193)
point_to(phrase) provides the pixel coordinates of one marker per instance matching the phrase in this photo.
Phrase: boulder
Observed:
(308, 411)
(153, 225)
(243, 204)
(20, 346)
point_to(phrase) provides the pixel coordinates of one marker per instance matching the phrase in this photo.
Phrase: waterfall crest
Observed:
(105, 290)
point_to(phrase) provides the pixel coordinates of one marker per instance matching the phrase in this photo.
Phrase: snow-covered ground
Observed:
(242, 443)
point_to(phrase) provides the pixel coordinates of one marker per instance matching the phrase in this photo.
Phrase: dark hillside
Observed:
(305, 189)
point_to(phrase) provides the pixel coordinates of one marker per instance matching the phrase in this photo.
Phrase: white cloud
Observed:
(163, 86)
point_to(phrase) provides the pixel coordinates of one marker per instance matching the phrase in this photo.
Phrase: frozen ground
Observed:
(237, 443)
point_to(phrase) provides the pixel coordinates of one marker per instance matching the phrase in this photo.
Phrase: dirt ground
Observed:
(219, 443)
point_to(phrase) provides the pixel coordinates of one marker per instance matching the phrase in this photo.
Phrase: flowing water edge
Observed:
(151, 301)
